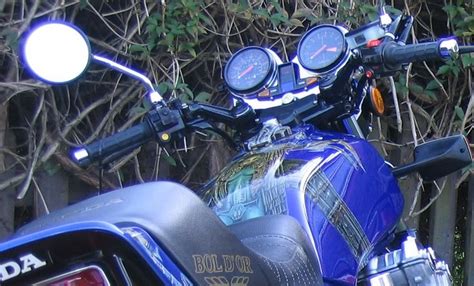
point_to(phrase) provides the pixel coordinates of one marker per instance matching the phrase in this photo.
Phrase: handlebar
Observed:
(389, 57)
(132, 137)
(396, 54)
(164, 124)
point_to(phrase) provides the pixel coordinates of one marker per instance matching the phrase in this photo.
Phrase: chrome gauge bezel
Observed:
(265, 82)
(336, 63)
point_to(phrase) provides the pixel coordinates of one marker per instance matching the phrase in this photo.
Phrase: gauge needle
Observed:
(245, 71)
(318, 51)
(333, 49)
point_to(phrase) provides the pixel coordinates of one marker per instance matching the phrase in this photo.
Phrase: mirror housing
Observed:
(438, 158)
(56, 52)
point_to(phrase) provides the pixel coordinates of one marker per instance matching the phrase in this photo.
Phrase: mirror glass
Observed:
(56, 52)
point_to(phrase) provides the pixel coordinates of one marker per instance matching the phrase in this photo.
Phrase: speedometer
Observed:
(249, 70)
(322, 48)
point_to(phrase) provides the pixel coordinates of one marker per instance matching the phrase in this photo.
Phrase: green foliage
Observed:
(462, 20)
(459, 113)
(359, 13)
(11, 38)
(202, 97)
(451, 67)
(401, 86)
(183, 91)
(178, 28)
(51, 167)
(431, 89)
(467, 61)
(273, 13)
(170, 160)
(426, 93)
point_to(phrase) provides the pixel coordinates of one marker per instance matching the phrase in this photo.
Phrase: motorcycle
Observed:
(308, 201)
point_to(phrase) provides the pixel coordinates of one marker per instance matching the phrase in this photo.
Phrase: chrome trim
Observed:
(385, 19)
(80, 154)
(256, 103)
(275, 61)
(381, 280)
(154, 96)
(353, 127)
(384, 265)
(344, 58)
(409, 248)
(449, 48)
(73, 272)
(271, 131)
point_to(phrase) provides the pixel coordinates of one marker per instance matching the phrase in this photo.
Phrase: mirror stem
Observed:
(154, 96)
(384, 18)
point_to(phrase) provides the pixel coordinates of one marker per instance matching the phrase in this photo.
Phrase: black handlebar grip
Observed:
(394, 54)
(134, 136)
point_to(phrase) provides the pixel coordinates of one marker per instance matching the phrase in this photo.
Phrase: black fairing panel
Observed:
(181, 223)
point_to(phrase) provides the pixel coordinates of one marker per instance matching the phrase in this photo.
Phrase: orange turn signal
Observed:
(264, 93)
(310, 80)
(376, 101)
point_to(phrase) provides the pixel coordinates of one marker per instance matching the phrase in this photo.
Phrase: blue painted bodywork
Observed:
(136, 238)
(339, 189)
(337, 186)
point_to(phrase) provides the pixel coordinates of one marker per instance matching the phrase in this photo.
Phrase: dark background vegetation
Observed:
(182, 45)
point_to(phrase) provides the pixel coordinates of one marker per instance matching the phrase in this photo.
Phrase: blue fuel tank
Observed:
(337, 186)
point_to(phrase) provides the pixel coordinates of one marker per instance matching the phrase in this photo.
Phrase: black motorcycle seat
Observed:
(193, 236)
(281, 242)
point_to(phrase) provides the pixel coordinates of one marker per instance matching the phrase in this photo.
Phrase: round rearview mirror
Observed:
(56, 52)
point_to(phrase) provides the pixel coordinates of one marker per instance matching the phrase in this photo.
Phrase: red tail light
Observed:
(88, 276)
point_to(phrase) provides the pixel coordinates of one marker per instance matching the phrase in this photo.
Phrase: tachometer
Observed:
(249, 70)
(322, 48)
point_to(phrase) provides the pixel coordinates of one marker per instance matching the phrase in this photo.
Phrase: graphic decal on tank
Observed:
(324, 193)
(257, 184)
(249, 188)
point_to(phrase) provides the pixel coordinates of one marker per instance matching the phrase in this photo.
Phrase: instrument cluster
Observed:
(255, 73)
(322, 48)
(249, 69)
(260, 78)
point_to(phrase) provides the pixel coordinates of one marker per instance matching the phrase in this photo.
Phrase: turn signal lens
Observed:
(373, 43)
(376, 101)
(311, 80)
(264, 93)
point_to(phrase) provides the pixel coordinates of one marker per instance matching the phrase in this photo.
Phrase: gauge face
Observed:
(321, 48)
(248, 70)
